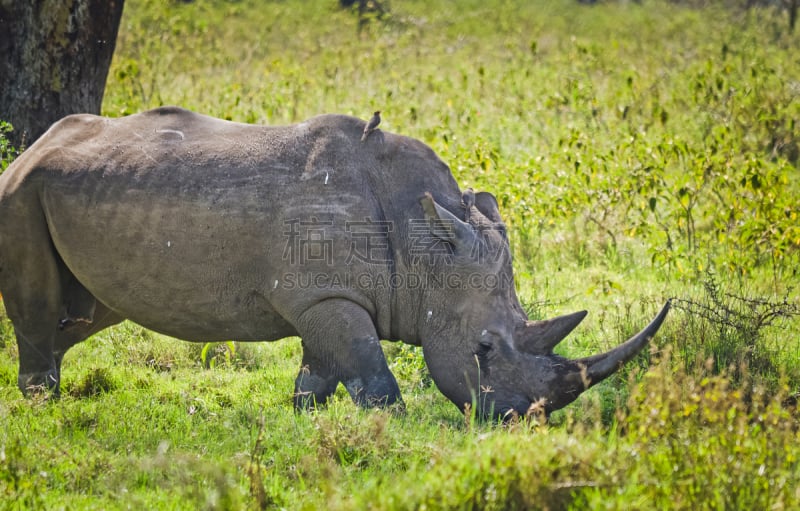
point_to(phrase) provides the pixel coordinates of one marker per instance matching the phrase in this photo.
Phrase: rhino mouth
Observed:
(535, 412)
(509, 411)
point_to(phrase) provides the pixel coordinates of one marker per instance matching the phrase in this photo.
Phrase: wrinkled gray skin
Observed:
(209, 230)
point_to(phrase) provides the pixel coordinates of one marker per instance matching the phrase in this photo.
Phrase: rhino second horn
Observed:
(540, 337)
(599, 367)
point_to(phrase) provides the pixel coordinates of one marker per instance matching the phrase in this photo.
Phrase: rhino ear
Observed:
(487, 204)
(446, 226)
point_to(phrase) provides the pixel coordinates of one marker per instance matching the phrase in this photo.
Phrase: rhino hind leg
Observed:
(31, 287)
(38, 293)
(340, 345)
(42, 349)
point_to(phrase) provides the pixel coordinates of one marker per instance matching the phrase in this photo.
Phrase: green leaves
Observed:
(7, 151)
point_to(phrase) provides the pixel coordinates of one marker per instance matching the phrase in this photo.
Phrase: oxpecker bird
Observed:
(468, 200)
(371, 125)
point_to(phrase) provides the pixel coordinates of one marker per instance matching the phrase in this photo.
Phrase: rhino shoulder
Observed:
(169, 110)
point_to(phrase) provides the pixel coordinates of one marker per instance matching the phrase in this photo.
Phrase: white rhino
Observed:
(209, 230)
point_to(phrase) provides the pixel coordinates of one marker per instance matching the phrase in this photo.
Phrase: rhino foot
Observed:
(379, 392)
(41, 384)
(312, 389)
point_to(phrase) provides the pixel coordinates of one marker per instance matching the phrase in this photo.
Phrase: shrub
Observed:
(7, 151)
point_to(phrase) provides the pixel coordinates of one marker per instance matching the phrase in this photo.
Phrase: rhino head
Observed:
(485, 352)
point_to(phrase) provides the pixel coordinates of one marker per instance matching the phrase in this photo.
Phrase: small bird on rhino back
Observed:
(371, 125)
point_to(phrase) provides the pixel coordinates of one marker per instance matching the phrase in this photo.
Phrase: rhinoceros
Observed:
(210, 230)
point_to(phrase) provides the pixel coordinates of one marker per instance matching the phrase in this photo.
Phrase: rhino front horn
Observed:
(598, 367)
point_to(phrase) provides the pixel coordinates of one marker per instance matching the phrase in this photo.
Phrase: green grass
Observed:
(638, 152)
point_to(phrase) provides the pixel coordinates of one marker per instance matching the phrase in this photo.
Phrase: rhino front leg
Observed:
(340, 344)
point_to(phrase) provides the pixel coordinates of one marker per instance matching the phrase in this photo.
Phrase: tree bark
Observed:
(54, 59)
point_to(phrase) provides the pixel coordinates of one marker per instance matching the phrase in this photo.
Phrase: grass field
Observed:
(639, 151)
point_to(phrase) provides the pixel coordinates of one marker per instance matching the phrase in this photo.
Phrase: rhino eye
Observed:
(482, 355)
(484, 347)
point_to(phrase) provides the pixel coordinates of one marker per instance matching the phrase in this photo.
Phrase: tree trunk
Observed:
(54, 59)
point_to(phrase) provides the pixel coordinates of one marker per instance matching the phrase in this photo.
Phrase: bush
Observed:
(7, 152)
